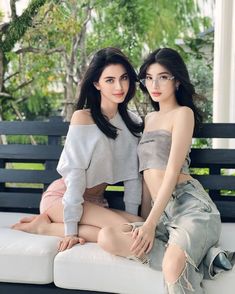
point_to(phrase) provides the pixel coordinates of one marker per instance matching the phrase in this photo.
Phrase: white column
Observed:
(232, 86)
(223, 92)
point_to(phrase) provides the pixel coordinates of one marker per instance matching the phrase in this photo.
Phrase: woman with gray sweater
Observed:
(100, 149)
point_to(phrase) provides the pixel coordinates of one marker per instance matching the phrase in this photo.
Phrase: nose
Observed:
(155, 83)
(118, 85)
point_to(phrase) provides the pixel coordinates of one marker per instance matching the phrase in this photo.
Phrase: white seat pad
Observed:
(29, 258)
(88, 267)
(24, 257)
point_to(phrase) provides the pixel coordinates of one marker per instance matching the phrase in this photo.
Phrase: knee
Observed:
(107, 239)
(172, 267)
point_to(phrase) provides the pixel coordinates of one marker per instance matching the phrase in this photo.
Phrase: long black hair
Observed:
(89, 96)
(173, 62)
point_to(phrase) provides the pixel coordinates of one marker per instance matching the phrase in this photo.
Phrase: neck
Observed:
(109, 110)
(168, 106)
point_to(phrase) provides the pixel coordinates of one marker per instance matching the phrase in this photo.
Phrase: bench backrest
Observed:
(21, 197)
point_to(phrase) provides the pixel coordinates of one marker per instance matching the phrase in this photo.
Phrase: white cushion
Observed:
(28, 258)
(24, 257)
(88, 267)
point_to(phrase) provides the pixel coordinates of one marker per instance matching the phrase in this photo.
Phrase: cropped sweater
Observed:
(90, 158)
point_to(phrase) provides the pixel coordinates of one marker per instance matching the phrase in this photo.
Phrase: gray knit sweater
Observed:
(90, 158)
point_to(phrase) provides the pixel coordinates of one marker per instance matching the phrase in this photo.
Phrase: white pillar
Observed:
(224, 68)
(232, 86)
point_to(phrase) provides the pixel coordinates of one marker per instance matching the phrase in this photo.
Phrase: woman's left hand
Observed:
(144, 238)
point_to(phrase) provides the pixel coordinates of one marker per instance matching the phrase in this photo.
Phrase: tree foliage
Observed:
(54, 51)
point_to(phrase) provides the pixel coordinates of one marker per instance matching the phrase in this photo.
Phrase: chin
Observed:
(120, 100)
(155, 99)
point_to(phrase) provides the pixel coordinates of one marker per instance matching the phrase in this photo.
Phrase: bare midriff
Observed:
(154, 179)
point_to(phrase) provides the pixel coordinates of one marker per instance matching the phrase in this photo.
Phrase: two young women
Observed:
(182, 225)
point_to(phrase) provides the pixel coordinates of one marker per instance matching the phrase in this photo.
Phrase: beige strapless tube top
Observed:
(154, 149)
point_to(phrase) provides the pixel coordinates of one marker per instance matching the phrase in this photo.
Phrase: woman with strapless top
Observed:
(182, 224)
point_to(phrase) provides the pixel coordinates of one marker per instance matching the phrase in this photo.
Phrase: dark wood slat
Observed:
(216, 130)
(20, 200)
(212, 156)
(227, 209)
(216, 182)
(23, 190)
(10, 288)
(115, 199)
(19, 151)
(28, 176)
(34, 128)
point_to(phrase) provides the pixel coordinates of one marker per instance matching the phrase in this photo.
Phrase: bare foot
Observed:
(27, 219)
(36, 225)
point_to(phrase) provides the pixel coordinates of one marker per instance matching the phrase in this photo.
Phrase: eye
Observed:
(109, 81)
(125, 78)
(164, 77)
(148, 78)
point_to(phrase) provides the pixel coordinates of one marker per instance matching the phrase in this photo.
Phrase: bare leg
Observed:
(94, 217)
(180, 276)
(116, 240)
(173, 264)
(131, 218)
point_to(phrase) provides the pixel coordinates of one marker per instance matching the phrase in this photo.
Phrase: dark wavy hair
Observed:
(173, 62)
(89, 96)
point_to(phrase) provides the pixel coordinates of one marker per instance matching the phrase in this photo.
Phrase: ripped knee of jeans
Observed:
(183, 281)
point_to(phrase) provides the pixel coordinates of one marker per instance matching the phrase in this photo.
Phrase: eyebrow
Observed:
(109, 77)
(161, 73)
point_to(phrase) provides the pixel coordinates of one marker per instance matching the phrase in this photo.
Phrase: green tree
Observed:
(55, 51)
(10, 34)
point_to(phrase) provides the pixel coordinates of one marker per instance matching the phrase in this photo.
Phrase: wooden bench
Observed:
(26, 199)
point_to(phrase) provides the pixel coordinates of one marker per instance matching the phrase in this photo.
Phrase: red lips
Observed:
(119, 94)
(156, 94)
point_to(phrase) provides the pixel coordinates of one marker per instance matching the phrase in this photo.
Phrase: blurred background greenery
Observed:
(45, 50)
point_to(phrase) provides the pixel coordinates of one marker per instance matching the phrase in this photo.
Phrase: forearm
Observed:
(73, 200)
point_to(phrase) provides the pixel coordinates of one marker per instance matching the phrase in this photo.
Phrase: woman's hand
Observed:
(69, 241)
(144, 238)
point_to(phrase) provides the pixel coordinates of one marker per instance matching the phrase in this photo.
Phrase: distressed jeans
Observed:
(191, 221)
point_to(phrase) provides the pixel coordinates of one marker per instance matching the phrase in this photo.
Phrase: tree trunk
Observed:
(1, 70)
(69, 106)
(3, 138)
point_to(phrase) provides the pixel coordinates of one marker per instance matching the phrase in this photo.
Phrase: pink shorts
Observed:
(55, 192)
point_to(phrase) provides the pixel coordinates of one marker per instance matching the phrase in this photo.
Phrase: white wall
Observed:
(224, 67)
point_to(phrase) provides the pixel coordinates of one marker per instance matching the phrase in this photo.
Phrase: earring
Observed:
(177, 87)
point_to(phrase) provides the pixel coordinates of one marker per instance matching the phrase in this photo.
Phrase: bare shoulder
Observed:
(82, 117)
(184, 112)
(184, 117)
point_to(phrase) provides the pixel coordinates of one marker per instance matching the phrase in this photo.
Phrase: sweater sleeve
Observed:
(132, 195)
(74, 161)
